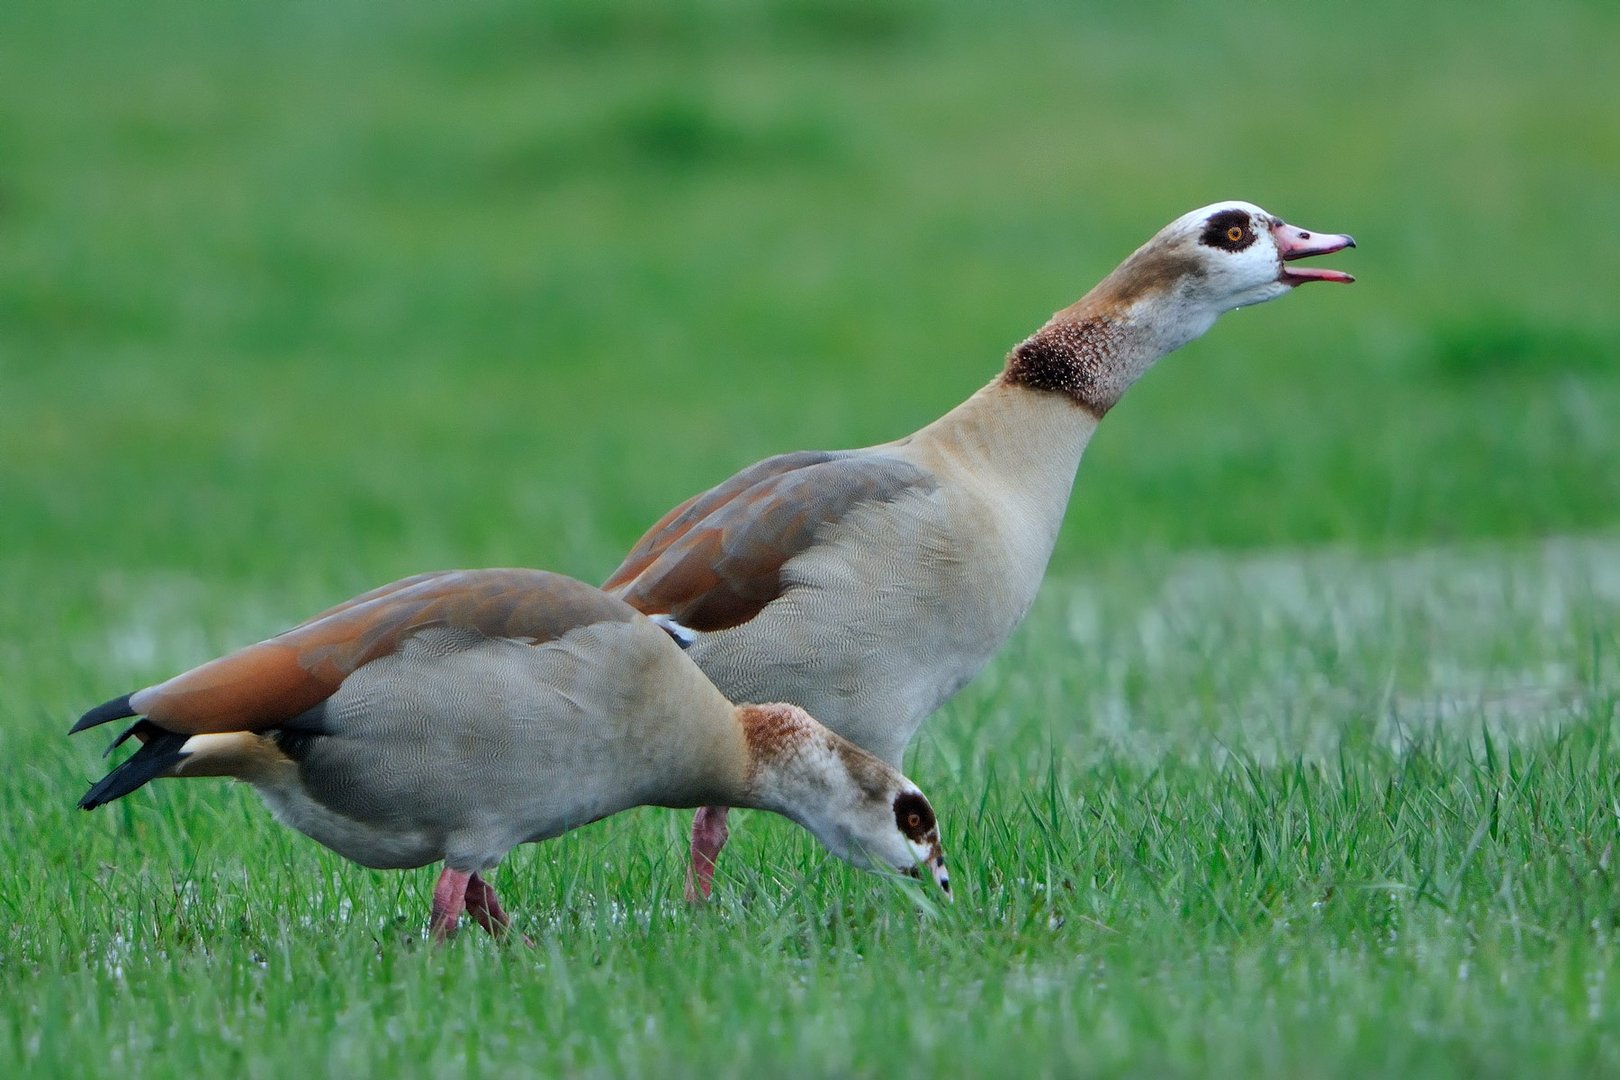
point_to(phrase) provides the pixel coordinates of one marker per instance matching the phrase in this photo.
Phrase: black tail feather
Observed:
(116, 709)
(157, 756)
(143, 728)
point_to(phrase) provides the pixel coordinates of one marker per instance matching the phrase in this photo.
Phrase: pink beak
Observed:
(1293, 243)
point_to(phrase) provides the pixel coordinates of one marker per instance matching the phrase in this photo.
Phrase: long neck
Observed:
(759, 757)
(1027, 442)
(1094, 350)
(1020, 438)
(689, 749)
(778, 740)
(803, 771)
(794, 762)
(1031, 424)
(1023, 434)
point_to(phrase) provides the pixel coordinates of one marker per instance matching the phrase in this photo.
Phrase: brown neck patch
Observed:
(777, 733)
(771, 730)
(1075, 359)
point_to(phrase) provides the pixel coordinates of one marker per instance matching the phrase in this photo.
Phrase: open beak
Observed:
(1295, 243)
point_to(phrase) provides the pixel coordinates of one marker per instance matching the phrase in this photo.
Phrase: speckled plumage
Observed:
(884, 599)
(455, 716)
(1074, 359)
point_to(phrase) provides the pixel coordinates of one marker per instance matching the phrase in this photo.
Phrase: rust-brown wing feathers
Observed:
(272, 682)
(715, 561)
(379, 592)
(678, 522)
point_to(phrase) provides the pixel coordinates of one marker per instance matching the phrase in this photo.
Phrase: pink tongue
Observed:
(1312, 273)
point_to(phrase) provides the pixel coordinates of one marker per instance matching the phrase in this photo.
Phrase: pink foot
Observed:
(709, 834)
(485, 907)
(449, 898)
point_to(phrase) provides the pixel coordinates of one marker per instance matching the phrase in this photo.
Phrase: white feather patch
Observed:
(684, 635)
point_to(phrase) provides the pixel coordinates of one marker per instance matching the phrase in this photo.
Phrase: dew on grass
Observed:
(1277, 652)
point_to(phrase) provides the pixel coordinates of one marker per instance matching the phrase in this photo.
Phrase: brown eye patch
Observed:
(913, 816)
(1229, 230)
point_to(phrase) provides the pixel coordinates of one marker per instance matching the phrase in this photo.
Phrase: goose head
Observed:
(860, 808)
(1166, 293)
(896, 830)
(1217, 258)
(1245, 253)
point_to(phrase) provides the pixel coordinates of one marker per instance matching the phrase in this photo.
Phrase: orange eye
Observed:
(1235, 233)
(913, 820)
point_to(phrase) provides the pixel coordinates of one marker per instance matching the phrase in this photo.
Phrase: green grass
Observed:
(1305, 761)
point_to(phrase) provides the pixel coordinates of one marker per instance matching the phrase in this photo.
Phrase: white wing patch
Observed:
(684, 636)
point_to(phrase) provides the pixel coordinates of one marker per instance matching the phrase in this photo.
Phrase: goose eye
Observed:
(1229, 230)
(912, 815)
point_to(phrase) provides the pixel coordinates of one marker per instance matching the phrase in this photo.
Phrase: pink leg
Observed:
(708, 837)
(449, 898)
(485, 907)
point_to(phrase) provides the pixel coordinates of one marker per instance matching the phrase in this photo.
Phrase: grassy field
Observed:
(1306, 761)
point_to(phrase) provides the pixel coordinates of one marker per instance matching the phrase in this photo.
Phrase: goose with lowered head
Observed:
(453, 716)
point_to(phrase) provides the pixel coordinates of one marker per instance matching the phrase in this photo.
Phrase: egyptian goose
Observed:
(870, 585)
(452, 716)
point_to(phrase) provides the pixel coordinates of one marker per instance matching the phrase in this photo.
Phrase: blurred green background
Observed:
(343, 290)
(297, 298)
